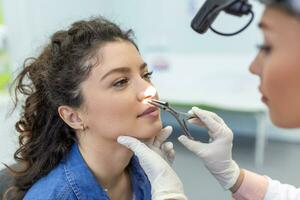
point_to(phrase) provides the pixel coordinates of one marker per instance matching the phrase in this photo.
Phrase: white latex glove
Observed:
(164, 149)
(216, 155)
(165, 184)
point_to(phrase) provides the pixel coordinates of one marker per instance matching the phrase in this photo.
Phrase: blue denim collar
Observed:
(85, 185)
(80, 178)
(139, 181)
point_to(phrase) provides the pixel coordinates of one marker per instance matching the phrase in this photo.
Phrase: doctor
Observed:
(277, 64)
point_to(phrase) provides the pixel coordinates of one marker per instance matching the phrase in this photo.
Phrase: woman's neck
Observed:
(107, 160)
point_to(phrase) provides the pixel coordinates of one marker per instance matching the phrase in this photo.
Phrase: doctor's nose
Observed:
(256, 65)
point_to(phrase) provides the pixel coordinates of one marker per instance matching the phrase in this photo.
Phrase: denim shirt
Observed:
(72, 179)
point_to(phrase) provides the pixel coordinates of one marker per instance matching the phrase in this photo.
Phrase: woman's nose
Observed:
(147, 93)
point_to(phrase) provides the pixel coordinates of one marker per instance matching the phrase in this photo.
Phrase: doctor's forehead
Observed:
(277, 19)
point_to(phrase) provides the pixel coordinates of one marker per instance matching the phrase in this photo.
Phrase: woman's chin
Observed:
(148, 132)
(146, 136)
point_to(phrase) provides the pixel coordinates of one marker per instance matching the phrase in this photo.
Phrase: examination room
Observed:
(150, 99)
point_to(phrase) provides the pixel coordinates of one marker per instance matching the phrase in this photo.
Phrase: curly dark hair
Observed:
(47, 82)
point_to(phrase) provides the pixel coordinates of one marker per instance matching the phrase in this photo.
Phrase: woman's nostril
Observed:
(150, 92)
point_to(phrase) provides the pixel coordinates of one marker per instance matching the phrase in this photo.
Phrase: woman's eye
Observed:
(121, 83)
(264, 48)
(148, 75)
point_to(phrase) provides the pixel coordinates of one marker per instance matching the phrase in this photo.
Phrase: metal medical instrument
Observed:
(181, 117)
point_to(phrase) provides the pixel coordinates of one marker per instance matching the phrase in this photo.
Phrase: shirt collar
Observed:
(85, 185)
(81, 179)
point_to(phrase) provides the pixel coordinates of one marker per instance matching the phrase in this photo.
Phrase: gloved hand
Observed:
(216, 155)
(165, 184)
(164, 149)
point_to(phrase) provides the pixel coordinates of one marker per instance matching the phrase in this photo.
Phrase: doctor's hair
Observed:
(46, 82)
(286, 6)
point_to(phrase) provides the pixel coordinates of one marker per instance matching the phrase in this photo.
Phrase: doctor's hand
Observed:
(161, 147)
(216, 154)
(165, 184)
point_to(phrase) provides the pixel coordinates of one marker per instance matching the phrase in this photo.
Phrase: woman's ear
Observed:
(71, 117)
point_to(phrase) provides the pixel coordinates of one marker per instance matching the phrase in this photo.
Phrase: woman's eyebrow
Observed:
(116, 70)
(122, 70)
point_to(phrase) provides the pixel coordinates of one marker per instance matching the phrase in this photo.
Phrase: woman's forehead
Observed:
(119, 54)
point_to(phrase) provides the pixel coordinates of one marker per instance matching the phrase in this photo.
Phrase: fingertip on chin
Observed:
(182, 137)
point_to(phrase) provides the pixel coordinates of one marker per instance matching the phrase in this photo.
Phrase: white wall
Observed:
(160, 26)
(8, 141)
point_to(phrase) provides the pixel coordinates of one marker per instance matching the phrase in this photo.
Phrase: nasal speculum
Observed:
(181, 117)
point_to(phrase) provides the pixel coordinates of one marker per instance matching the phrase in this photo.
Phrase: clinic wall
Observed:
(160, 26)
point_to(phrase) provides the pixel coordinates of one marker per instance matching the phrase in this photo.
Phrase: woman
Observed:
(84, 90)
(278, 67)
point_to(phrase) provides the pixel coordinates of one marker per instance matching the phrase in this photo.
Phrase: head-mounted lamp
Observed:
(212, 8)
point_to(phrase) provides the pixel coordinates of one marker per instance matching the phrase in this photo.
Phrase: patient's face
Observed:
(114, 93)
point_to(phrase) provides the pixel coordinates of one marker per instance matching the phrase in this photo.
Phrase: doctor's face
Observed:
(278, 66)
(114, 92)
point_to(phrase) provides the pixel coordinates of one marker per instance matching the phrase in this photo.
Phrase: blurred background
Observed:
(208, 70)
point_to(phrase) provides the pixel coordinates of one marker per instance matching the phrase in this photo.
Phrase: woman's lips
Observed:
(264, 99)
(152, 111)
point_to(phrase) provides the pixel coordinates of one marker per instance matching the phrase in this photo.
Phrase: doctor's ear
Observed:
(71, 116)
